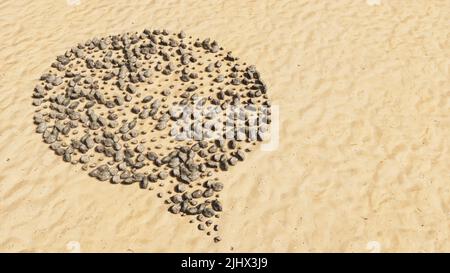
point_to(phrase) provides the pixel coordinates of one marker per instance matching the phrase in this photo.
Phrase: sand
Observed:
(362, 161)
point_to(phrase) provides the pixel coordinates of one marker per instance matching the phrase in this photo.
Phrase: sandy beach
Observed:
(363, 159)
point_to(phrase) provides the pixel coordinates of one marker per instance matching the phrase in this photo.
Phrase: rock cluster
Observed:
(152, 109)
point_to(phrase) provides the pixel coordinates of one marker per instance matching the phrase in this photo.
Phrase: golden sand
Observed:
(362, 164)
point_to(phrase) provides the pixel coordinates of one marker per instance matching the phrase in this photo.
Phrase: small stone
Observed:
(162, 175)
(240, 155)
(233, 161)
(180, 188)
(84, 159)
(217, 186)
(116, 179)
(219, 79)
(175, 209)
(147, 99)
(132, 89)
(216, 205)
(161, 125)
(143, 184)
(197, 194)
(176, 199)
(139, 148)
(207, 212)
(208, 193)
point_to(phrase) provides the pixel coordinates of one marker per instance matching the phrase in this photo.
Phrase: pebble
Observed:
(197, 194)
(217, 186)
(208, 212)
(175, 209)
(84, 159)
(216, 205)
(180, 188)
(163, 175)
(176, 199)
(208, 193)
(219, 79)
(161, 125)
(233, 161)
(240, 155)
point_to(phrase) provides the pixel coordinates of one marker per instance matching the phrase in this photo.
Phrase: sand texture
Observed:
(363, 160)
